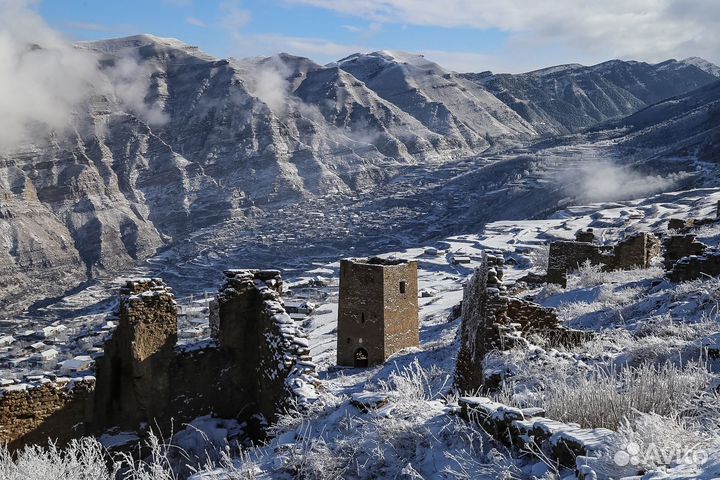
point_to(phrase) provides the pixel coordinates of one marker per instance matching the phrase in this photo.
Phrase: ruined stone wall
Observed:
(566, 256)
(134, 373)
(258, 366)
(529, 433)
(59, 410)
(268, 349)
(530, 316)
(492, 320)
(679, 246)
(483, 303)
(696, 267)
(636, 251)
(400, 316)
(684, 225)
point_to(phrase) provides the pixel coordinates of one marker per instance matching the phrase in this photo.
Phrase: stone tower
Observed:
(378, 310)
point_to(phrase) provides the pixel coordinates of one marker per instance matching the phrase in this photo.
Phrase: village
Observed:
(377, 318)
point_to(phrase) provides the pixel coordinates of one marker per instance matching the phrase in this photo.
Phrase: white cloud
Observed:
(45, 81)
(131, 80)
(232, 16)
(42, 77)
(650, 30)
(603, 180)
(195, 21)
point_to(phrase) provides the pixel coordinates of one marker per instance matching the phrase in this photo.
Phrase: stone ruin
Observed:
(377, 310)
(688, 259)
(527, 432)
(493, 320)
(636, 251)
(684, 225)
(257, 364)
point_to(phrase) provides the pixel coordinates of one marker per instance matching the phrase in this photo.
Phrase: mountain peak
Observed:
(703, 65)
(144, 41)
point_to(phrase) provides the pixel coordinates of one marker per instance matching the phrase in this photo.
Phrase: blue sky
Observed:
(463, 35)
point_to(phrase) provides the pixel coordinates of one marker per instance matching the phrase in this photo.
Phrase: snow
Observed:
(113, 441)
(76, 364)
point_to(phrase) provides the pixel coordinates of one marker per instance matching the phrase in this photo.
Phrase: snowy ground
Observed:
(397, 421)
(652, 337)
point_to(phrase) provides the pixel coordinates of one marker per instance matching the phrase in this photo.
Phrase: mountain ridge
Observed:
(218, 140)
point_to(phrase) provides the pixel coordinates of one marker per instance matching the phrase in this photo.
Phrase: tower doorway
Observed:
(361, 358)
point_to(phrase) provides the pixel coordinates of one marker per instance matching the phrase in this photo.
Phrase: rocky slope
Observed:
(444, 102)
(686, 125)
(568, 98)
(212, 141)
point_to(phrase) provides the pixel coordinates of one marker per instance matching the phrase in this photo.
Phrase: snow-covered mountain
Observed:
(686, 125)
(219, 147)
(568, 98)
(442, 101)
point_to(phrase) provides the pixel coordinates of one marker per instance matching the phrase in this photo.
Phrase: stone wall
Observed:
(258, 365)
(492, 320)
(133, 383)
(263, 343)
(684, 225)
(696, 267)
(57, 410)
(528, 432)
(377, 310)
(483, 302)
(679, 246)
(636, 251)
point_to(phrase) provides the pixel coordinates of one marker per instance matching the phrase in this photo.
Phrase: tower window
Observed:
(402, 287)
(362, 317)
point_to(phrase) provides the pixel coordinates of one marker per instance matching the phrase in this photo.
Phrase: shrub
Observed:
(606, 397)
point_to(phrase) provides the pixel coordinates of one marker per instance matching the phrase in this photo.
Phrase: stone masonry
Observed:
(134, 384)
(492, 320)
(636, 251)
(33, 413)
(377, 311)
(483, 302)
(679, 246)
(257, 365)
(695, 267)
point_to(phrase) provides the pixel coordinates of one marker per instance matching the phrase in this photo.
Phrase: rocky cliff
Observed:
(213, 140)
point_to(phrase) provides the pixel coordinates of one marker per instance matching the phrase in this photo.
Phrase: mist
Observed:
(268, 82)
(45, 80)
(603, 180)
(42, 77)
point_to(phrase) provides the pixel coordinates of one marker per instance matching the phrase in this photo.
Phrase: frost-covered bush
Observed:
(87, 459)
(606, 397)
(540, 256)
(413, 383)
(82, 460)
(664, 439)
(589, 275)
(409, 435)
